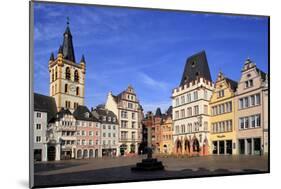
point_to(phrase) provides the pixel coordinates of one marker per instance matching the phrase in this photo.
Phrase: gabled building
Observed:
(88, 134)
(62, 136)
(222, 120)
(252, 110)
(109, 131)
(190, 101)
(44, 110)
(127, 108)
(67, 77)
(166, 142)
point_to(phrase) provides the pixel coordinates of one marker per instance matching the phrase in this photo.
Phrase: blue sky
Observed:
(144, 48)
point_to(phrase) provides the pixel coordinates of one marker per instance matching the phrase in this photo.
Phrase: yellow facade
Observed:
(222, 120)
(166, 142)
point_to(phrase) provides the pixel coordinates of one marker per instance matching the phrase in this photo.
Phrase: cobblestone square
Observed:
(105, 170)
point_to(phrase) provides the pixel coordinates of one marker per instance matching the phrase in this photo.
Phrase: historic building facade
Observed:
(67, 77)
(148, 124)
(88, 134)
(166, 142)
(252, 110)
(109, 131)
(190, 103)
(157, 130)
(127, 108)
(62, 135)
(222, 120)
(44, 110)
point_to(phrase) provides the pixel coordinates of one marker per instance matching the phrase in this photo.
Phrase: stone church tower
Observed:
(67, 77)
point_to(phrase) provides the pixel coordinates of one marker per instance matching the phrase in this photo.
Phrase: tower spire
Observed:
(68, 49)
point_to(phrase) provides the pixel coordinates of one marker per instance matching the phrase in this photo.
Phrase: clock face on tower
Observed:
(72, 87)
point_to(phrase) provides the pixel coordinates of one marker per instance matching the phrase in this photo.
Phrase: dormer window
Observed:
(193, 64)
(109, 118)
(87, 115)
(114, 119)
(104, 118)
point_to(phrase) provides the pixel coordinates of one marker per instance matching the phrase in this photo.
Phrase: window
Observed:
(53, 79)
(75, 105)
(123, 135)
(38, 114)
(67, 73)
(246, 122)
(78, 142)
(177, 129)
(188, 97)
(113, 127)
(241, 104)
(183, 128)
(123, 114)
(65, 88)
(177, 114)
(38, 138)
(133, 124)
(76, 76)
(123, 124)
(114, 119)
(252, 98)
(97, 133)
(258, 120)
(109, 134)
(182, 113)
(83, 142)
(90, 142)
(113, 134)
(248, 83)
(83, 133)
(177, 101)
(133, 135)
(220, 94)
(246, 102)
(104, 134)
(67, 104)
(258, 99)
(97, 142)
(91, 133)
(189, 111)
(133, 115)
(205, 109)
(205, 94)
(130, 105)
(78, 133)
(195, 95)
(77, 91)
(196, 110)
(182, 99)
(56, 73)
(38, 126)
(253, 121)
(205, 125)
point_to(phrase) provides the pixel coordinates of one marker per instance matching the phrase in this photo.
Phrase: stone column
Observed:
(58, 150)
(252, 151)
(246, 146)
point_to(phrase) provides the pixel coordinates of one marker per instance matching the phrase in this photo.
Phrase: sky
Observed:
(146, 48)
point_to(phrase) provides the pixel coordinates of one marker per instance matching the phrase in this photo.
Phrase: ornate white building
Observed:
(190, 103)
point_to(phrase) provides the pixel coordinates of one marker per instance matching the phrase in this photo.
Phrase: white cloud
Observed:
(149, 81)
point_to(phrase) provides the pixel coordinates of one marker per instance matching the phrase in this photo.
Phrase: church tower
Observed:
(67, 77)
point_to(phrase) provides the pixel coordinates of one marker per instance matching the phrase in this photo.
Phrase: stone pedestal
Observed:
(149, 165)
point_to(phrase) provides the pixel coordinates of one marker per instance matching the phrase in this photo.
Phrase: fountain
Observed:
(149, 164)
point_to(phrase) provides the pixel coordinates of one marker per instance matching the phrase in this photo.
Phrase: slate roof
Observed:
(80, 114)
(158, 113)
(67, 45)
(100, 112)
(263, 74)
(45, 104)
(233, 84)
(62, 113)
(169, 111)
(196, 66)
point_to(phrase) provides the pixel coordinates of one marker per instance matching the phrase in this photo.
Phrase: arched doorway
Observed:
(96, 153)
(123, 148)
(178, 146)
(85, 154)
(91, 153)
(79, 154)
(51, 153)
(187, 145)
(165, 148)
(133, 148)
(195, 145)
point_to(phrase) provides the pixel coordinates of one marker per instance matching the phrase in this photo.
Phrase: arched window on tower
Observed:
(65, 88)
(76, 76)
(52, 75)
(67, 73)
(77, 91)
(56, 73)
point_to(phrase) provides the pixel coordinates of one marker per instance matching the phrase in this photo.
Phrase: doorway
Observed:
(51, 153)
